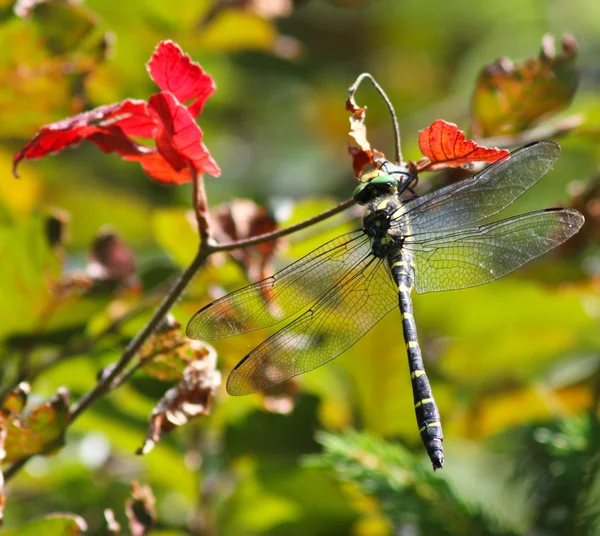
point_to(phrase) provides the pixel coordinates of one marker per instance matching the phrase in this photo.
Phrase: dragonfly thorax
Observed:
(377, 222)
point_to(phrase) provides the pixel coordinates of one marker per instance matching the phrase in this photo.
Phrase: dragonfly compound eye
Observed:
(382, 184)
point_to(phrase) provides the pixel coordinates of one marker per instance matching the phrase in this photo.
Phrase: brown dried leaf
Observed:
(358, 144)
(141, 510)
(512, 97)
(189, 399)
(586, 199)
(240, 219)
(281, 398)
(111, 261)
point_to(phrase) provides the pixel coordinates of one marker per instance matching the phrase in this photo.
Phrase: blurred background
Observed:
(514, 365)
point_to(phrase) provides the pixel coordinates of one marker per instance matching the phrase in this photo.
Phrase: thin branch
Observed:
(201, 207)
(115, 377)
(268, 237)
(352, 90)
(136, 343)
(105, 384)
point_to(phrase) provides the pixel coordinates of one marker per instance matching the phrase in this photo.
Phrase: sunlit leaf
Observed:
(27, 275)
(512, 97)
(169, 352)
(179, 149)
(107, 126)
(178, 137)
(232, 31)
(174, 71)
(444, 145)
(38, 431)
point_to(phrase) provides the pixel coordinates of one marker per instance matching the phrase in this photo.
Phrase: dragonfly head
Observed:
(380, 182)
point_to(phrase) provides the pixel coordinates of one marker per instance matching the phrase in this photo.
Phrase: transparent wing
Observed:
(276, 298)
(472, 257)
(460, 205)
(339, 319)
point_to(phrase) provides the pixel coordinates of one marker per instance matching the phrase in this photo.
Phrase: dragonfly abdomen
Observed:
(426, 410)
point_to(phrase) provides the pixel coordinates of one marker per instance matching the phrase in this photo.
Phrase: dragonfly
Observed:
(339, 291)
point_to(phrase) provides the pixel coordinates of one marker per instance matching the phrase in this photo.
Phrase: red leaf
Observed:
(178, 137)
(175, 72)
(179, 149)
(445, 146)
(133, 118)
(157, 168)
(106, 126)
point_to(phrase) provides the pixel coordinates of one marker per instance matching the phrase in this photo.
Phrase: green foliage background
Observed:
(514, 364)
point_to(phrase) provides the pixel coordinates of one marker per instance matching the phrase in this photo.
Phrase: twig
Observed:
(352, 90)
(268, 237)
(136, 343)
(201, 207)
(206, 249)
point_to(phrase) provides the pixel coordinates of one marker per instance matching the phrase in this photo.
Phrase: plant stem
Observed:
(136, 343)
(268, 237)
(201, 207)
(130, 351)
(115, 378)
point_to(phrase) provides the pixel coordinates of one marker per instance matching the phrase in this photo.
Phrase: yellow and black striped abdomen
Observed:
(428, 416)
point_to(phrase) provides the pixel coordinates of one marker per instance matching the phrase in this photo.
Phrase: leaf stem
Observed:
(352, 90)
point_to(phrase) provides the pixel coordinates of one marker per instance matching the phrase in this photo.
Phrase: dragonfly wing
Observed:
(472, 257)
(460, 205)
(278, 297)
(363, 296)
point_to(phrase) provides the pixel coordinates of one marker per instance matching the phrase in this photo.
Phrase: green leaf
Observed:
(174, 231)
(53, 525)
(28, 269)
(63, 25)
(39, 431)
